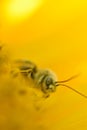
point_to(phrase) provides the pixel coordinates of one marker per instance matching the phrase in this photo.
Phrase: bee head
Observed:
(46, 80)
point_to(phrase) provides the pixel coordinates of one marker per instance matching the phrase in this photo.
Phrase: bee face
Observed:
(46, 80)
(48, 85)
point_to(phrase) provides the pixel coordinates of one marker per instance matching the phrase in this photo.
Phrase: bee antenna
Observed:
(63, 81)
(73, 90)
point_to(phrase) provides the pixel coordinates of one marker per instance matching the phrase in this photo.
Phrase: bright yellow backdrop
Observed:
(53, 34)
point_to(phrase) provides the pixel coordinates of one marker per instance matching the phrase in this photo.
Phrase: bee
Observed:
(43, 79)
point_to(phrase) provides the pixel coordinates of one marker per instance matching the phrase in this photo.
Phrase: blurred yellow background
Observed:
(53, 34)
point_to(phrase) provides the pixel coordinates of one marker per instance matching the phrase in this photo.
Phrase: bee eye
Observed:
(48, 81)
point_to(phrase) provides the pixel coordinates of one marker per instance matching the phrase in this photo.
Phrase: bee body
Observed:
(43, 79)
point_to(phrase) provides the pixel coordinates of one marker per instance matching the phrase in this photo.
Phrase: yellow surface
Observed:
(54, 36)
(19, 9)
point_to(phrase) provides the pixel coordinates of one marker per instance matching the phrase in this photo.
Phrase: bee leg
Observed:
(24, 70)
(46, 95)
